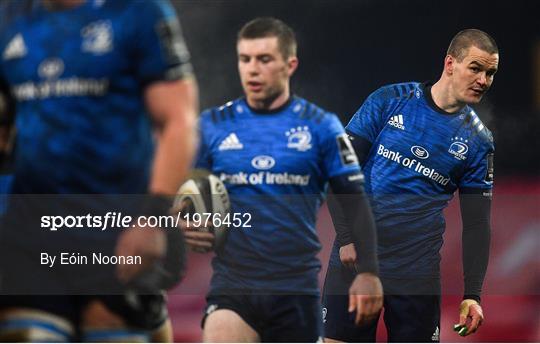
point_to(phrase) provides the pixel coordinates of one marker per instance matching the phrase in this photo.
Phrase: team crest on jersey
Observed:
(97, 37)
(299, 138)
(458, 148)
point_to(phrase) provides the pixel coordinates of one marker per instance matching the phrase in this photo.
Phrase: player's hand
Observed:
(365, 297)
(198, 239)
(149, 243)
(471, 316)
(347, 255)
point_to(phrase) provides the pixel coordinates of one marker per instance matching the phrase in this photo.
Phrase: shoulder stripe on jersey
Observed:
(304, 110)
(311, 111)
(396, 91)
(214, 115)
(231, 112)
(403, 90)
(320, 115)
(222, 114)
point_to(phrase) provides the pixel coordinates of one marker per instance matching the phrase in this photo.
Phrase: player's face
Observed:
(473, 76)
(264, 72)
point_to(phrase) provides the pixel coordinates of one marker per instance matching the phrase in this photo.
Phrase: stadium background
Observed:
(347, 49)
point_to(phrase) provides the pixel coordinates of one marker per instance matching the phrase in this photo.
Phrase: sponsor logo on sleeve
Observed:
(346, 151)
(490, 169)
(172, 42)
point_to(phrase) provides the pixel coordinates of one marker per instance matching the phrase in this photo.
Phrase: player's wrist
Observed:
(367, 269)
(472, 297)
(155, 205)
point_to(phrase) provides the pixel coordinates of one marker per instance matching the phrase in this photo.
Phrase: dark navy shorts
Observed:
(411, 309)
(276, 318)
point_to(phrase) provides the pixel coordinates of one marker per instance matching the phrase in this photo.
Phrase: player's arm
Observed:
(362, 131)
(173, 106)
(350, 209)
(350, 201)
(7, 118)
(475, 203)
(476, 236)
(347, 252)
(161, 63)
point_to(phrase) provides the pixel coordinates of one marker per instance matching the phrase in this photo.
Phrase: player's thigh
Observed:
(293, 318)
(338, 322)
(225, 325)
(412, 318)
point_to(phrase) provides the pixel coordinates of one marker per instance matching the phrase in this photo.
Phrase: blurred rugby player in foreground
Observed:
(90, 80)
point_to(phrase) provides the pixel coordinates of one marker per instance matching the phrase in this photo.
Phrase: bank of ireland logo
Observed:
(51, 68)
(299, 138)
(420, 152)
(263, 162)
(458, 148)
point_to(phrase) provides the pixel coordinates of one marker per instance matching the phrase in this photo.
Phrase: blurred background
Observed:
(349, 48)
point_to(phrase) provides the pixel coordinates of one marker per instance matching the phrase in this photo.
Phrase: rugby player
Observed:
(91, 79)
(418, 143)
(276, 154)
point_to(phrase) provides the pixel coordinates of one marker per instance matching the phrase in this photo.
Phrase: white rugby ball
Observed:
(205, 194)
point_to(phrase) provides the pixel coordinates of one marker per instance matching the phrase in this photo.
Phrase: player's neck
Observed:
(441, 93)
(270, 103)
(58, 5)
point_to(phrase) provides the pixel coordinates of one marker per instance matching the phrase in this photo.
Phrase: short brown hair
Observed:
(464, 39)
(263, 27)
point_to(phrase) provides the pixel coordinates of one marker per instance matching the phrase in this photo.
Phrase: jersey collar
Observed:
(269, 112)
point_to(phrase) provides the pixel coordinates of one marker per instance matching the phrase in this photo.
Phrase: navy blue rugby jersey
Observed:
(78, 76)
(420, 156)
(276, 167)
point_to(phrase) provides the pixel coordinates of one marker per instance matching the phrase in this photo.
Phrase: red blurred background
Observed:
(511, 299)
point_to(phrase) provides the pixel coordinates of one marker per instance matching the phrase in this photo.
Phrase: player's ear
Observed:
(449, 62)
(292, 64)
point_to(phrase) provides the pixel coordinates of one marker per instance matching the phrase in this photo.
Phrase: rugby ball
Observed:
(203, 198)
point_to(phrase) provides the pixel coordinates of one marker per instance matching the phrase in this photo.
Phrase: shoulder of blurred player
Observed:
(218, 115)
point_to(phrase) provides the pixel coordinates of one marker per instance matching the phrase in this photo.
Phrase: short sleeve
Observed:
(369, 120)
(203, 159)
(338, 154)
(161, 51)
(480, 172)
